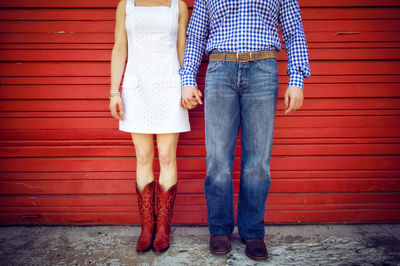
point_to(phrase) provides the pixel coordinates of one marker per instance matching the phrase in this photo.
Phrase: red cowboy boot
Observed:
(147, 219)
(164, 210)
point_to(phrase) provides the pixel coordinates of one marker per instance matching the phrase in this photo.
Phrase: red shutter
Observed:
(65, 162)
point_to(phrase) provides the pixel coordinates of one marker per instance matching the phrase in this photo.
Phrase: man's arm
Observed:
(197, 33)
(297, 51)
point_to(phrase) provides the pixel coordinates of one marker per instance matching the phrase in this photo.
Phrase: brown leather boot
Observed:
(147, 219)
(164, 209)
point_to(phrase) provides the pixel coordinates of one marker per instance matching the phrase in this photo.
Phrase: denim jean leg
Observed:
(221, 105)
(258, 105)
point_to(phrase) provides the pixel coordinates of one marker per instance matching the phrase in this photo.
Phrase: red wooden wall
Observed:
(65, 162)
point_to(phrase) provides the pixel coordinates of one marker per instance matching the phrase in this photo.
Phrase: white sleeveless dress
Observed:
(151, 92)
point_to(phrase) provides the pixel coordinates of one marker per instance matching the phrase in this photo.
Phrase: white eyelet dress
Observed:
(151, 92)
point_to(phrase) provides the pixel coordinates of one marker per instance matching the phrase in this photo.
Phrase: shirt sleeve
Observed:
(295, 42)
(197, 33)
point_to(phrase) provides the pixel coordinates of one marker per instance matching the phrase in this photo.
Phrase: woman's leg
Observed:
(166, 190)
(144, 147)
(166, 144)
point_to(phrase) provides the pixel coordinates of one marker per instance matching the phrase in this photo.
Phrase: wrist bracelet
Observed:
(112, 94)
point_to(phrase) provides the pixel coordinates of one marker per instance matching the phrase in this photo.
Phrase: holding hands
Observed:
(191, 97)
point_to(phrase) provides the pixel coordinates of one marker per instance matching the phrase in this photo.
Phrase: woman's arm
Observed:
(118, 58)
(119, 51)
(183, 21)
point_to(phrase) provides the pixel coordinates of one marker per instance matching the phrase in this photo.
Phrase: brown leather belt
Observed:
(243, 57)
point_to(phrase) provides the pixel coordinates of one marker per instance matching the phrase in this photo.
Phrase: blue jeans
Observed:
(239, 95)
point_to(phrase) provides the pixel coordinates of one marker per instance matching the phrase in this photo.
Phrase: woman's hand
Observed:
(116, 108)
(191, 97)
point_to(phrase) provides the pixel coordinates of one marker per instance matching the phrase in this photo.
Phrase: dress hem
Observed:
(154, 131)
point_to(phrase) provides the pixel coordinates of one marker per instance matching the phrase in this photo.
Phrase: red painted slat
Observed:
(99, 91)
(280, 122)
(102, 69)
(199, 150)
(104, 55)
(113, 3)
(197, 208)
(283, 80)
(71, 27)
(274, 199)
(296, 217)
(200, 175)
(69, 187)
(195, 134)
(109, 14)
(102, 105)
(327, 163)
(104, 40)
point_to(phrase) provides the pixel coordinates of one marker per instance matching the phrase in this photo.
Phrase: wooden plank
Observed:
(69, 187)
(283, 80)
(344, 3)
(384, 67)
(102, 105)
(199, 150)
(279, 133)
(198, 175)
(199, 113)
(47, 14)
(275, 200)
(100, 91)
(324, 13)
(327, 163)
(105, 55)
(110, 143)
(296, 217)
(54, 40)
(71, 27)
(196, 123)
(109, 14)
(113, 4)
(197, 208)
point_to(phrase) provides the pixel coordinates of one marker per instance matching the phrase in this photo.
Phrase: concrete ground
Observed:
(115, 245)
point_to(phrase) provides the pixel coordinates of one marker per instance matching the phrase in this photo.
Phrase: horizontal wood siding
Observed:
(63, 160)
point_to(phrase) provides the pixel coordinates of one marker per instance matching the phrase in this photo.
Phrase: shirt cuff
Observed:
(188, 80)
(296, 79)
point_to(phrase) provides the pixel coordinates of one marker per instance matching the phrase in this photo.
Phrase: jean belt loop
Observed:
(255, 56)
(223, 57)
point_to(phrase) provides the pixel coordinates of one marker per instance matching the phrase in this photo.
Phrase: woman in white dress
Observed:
(151, 35)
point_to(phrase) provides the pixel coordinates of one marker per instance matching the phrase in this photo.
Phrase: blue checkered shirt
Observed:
(240, 26)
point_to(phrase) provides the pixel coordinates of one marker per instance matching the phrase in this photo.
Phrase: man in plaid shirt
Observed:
(241, 38)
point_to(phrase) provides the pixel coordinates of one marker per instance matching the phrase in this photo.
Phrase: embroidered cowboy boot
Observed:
(164, 210)
(147, 219)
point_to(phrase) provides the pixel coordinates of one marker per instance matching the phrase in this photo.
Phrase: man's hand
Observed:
(191, 97)
(293, 99)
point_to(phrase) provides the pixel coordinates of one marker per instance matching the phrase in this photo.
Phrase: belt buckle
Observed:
(241, 57)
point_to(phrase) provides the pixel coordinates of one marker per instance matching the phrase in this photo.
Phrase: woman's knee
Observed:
(166, 157)
(144, 157)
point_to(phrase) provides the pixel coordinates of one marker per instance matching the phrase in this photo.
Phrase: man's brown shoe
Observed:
(220, 245)
(256, 249)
